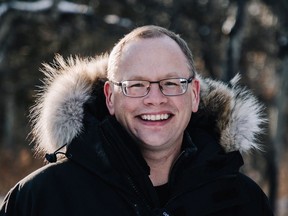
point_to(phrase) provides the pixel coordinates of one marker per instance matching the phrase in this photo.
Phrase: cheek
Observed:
(191, 101)
(186, 107)
(122, 108)
(125, 112)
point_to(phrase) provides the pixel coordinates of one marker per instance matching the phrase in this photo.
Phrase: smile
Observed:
(158, 117)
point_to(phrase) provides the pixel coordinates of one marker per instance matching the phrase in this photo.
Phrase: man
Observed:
(159, 149)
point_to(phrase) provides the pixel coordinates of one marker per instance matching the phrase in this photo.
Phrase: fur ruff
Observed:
(58, 113)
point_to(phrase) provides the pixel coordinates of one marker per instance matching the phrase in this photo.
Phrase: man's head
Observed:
(155, 114)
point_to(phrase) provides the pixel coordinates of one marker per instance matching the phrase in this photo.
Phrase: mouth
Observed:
(157, 117)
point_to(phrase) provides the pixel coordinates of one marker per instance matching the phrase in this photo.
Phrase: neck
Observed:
(160, 163)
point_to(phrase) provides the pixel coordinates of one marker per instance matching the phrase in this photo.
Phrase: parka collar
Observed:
(57, 117)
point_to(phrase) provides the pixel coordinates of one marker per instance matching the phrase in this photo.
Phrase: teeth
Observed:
(155, 117)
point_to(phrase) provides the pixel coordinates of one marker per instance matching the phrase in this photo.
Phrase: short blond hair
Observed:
(145, 32)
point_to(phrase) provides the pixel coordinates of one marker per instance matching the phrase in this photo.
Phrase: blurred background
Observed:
(249, 37)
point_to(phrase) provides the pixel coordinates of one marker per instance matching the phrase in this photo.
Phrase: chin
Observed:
(148, 144)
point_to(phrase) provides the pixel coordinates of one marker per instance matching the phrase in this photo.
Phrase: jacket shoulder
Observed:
(257, 198)
(21, 197)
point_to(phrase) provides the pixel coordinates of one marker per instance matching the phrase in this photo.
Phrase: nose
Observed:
(155, 96)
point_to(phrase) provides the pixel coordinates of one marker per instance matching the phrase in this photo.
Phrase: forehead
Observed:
(152, 57)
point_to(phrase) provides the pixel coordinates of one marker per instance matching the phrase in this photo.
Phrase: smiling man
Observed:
(142, 137)
(154, 97)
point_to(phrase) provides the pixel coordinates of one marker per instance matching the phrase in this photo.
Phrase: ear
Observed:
(195, 94)
(108, 91)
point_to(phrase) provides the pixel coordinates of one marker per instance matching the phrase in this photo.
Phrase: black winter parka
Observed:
(103, 172)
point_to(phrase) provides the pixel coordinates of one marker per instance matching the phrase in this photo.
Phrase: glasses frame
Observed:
(120, 84)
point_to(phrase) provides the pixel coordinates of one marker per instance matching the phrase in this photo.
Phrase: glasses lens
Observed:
(140, 88)
(175, 86)
(135, 88)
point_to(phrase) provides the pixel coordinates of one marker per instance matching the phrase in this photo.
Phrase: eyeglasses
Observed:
(140, 88)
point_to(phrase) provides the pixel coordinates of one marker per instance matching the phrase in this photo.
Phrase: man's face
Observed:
(153, 59)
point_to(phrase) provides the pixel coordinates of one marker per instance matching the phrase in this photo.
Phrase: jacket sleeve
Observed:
(259, 203)
(21, 199)
(12, 205)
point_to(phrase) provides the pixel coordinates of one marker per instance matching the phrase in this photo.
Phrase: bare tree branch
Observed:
(235, 42)
(45, 5)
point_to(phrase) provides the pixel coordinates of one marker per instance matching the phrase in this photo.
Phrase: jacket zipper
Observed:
(173, 167)
(140, 195)
(134, 187)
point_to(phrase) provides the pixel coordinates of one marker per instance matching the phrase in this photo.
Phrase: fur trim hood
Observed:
(57, 116)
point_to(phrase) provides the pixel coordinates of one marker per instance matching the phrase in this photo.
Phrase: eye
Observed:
(171, 83)
(135, 84)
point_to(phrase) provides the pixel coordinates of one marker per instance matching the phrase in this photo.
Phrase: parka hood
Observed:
(57, 117)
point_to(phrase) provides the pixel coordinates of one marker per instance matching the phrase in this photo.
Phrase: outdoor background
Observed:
(226, 37)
